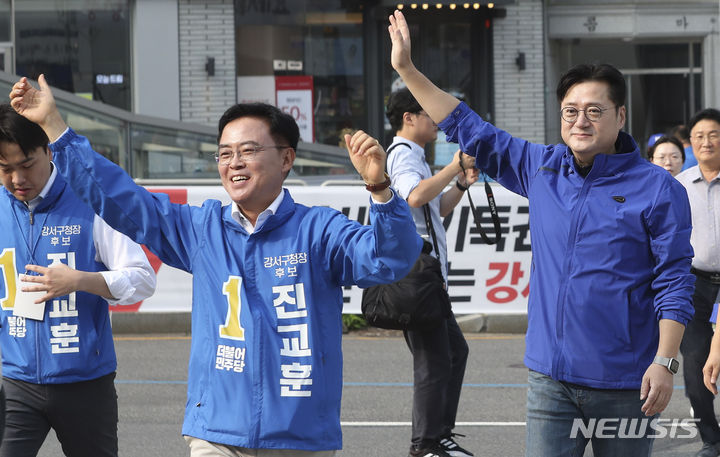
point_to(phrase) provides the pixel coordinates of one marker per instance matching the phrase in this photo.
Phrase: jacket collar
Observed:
(282, 214)
(627, 154)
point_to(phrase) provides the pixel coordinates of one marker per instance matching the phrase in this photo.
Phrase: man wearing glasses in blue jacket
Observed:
(265, 371)
(610, 286)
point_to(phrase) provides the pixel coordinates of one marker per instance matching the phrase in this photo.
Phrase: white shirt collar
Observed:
(413, 145)
(32, 204)
(262, 217)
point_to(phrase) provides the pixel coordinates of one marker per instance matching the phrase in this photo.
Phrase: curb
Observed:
(150, 323)
(493, 323)
(123, 323)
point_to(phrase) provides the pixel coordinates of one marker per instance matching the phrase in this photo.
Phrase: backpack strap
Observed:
(390, 149)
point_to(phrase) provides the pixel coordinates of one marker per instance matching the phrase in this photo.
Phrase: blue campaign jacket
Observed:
(611, 252)
(74, 340)
(266, 354)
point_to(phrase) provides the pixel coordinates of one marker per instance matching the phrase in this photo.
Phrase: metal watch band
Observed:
(670, 363)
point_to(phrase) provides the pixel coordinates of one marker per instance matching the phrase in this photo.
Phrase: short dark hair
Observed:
(400, 102)
(665, 139)
(594, 72)
(283, 127)
(708, 113)
(16, 129)
(680, 132)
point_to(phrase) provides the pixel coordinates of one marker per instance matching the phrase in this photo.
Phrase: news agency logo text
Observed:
(629, 428)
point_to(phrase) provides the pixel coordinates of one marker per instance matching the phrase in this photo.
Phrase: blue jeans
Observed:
(553, 406)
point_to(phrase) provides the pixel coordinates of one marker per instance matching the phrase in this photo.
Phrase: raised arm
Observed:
(170, 230)
(38, 106)
(436, 102)
(368, 158)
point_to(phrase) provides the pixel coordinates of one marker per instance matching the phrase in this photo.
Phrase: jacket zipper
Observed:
(35, 327)
(572, 240)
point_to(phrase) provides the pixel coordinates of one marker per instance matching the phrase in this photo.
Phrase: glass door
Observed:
(6, 57)
(453, 49)
(664, 80)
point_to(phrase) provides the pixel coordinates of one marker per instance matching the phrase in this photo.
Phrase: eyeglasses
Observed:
(246, 152)
(713, 136)
(593, 113)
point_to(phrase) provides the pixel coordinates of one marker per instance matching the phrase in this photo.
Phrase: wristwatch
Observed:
(379, 186)
(670, 363)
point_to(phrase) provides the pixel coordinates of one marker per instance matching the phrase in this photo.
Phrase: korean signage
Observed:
(482, 278)
(294, 95)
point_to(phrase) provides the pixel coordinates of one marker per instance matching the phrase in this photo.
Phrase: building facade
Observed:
(327, 61)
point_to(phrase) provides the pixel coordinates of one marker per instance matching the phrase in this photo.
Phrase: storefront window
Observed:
(664, 80)
(5, 21)
(444, 44)
(306, 57)
(81, 46)
(160, 153)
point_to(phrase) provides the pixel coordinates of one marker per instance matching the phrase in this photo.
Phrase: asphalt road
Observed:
(376, 411)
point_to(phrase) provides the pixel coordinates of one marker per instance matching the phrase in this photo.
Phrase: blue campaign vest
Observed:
(265, 366)
(74, 340)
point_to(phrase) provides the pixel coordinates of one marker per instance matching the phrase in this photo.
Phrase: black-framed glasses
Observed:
(592, 113)
(246, 152)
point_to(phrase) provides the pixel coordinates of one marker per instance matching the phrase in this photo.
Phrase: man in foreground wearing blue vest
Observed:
(265, 372)
(61, 266)
(610, 286)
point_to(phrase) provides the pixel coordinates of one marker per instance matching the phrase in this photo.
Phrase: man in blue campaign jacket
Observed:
(58, 362)
(610, 284)
(265, 366)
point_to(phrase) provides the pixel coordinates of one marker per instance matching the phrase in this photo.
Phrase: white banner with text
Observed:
(482, 278)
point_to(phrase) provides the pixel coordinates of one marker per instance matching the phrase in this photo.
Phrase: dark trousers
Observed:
(84, 416)
(439, 359)
(695, 348)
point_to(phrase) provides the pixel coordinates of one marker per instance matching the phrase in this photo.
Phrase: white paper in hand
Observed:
(25, 305)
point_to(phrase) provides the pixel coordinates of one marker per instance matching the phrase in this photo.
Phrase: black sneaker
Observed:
(434, 450)
(450, 446)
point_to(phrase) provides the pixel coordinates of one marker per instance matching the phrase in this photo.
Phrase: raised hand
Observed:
(367, 156)
(400, 57)
(38, 106)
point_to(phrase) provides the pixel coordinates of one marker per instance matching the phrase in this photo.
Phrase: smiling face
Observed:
(254, 184)
(24, 176)
(586, 139)
(668, 156)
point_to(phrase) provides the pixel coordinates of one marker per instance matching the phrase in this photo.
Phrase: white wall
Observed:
(207, 29)
(156, 67)
(519, 95)
(711, 64)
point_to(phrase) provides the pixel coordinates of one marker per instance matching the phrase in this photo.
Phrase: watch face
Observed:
(673, 366)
